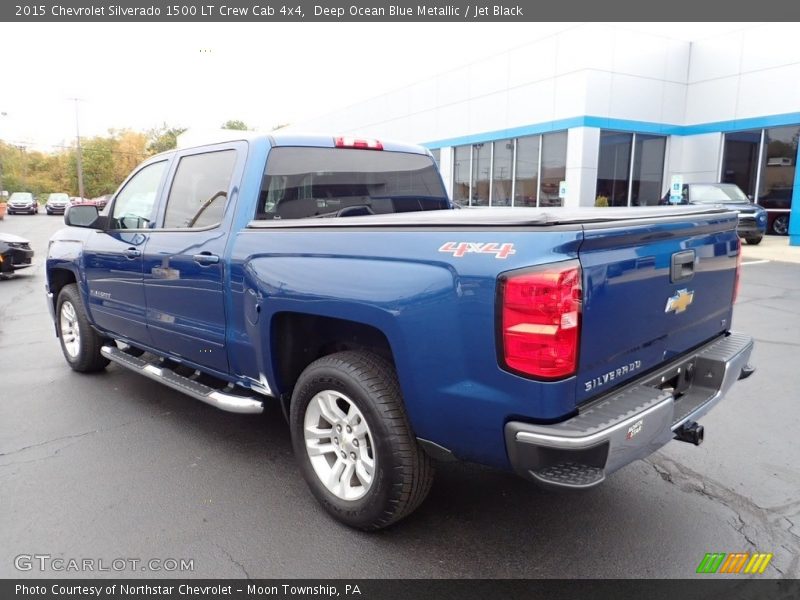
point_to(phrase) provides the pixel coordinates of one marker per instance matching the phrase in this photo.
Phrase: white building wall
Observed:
(592, 69)
(747, 73)
(446, 168)
(583, 144)
(629, 79)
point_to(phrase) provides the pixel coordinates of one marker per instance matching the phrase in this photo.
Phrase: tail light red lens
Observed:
(738, 269)
(540, 320)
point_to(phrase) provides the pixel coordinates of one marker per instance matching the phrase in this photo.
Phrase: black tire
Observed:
(403, 472)
(780, 225)
(87, 357)
(754, 241)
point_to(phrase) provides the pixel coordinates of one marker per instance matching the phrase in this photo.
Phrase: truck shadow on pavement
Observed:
(476, 522)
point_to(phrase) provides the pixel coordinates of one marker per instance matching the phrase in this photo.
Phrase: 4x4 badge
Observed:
(680, 301)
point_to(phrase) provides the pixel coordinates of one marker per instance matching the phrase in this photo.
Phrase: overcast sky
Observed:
(140, 75)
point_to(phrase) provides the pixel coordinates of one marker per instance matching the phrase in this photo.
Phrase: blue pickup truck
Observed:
(334, 276)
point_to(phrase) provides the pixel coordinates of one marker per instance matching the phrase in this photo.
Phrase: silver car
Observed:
(56, 204)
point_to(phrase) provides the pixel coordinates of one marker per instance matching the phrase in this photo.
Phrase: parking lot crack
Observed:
(46, 442)
(74, 436)
(742, 532)
(235, 562)
(778, 342)
(752, 521)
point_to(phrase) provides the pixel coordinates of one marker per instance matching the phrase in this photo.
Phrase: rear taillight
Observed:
(540, 320)
(361, 144)
(738, 269)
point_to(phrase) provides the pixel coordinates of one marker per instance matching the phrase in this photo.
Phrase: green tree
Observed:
(163, 138)
(98, 166)
(129, 151)
(235, 124)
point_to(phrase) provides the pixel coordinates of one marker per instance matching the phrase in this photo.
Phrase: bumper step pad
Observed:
(569, 474)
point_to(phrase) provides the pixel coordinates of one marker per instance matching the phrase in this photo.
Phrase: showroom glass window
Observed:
(502, 172)
(554, 168)
(763, 162)
(648, 169)
(526, 181)
(778, 167)
(481, 169)
(461, 174)
(613, 167)
(630, 169)
(740, 159)
(525, 171)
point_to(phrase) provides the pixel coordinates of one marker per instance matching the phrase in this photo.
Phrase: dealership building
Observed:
(601, 114)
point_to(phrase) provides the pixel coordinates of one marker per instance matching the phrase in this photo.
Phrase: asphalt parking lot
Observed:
(115, 466)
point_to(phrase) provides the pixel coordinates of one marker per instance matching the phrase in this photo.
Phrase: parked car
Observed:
(752, 218)
(57, 203)
(779, 223)
(778, 202)
(333, 277)
(15, 253)
(101, 201)
(22, 203)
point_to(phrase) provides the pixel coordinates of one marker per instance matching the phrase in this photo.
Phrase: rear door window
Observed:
(199, 190)
(301, 183)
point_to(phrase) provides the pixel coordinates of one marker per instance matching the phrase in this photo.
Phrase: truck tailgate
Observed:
(652, 289)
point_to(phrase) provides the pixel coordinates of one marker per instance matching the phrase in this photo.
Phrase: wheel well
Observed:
(57, 279)
(300, 339)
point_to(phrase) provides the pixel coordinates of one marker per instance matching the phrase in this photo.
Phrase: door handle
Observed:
(682, 266)
(132, 253)
(206, 258)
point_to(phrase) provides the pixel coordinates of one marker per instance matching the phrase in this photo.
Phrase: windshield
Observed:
(57, 198)
(304, 183)
(21, 197)
(716, 193)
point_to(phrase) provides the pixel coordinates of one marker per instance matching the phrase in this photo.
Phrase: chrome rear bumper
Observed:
(629, 423)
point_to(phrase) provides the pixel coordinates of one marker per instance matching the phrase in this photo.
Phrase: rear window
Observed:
(302, 183)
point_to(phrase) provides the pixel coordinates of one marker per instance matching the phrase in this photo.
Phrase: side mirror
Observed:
(750, 197)
(81, 215)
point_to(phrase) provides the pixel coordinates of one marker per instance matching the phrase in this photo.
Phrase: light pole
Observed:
(79, 154)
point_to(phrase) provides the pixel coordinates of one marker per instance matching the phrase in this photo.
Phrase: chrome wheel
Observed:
(339, 445)
(70, 332)
(781, 225)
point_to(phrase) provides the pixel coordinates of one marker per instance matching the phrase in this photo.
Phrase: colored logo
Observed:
(459, 249)
(634, 429)
(680, 301)
(737, 562)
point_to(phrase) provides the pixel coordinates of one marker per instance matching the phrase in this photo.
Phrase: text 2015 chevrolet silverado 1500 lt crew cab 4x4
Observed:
(332, 275)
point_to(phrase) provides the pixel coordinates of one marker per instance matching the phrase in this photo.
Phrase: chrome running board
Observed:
(218, 398)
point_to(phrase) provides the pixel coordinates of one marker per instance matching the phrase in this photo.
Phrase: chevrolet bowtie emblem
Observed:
(680, 301)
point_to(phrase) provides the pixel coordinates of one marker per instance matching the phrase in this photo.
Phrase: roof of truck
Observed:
(199, 138)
